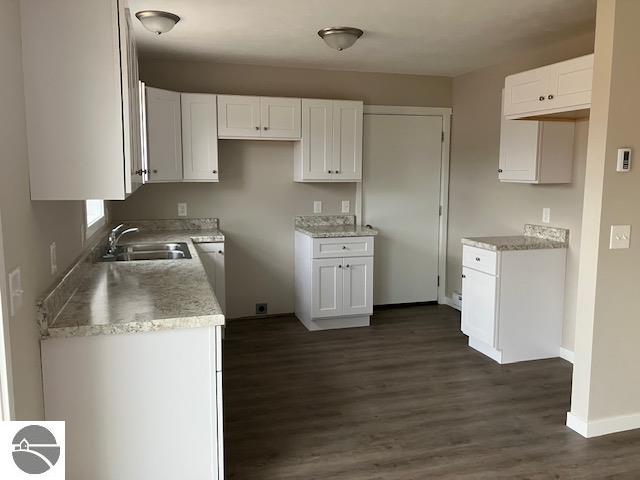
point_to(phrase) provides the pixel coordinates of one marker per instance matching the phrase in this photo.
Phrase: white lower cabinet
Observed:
(513, 302)
(333, 290)
(138, 406)
(212, 256)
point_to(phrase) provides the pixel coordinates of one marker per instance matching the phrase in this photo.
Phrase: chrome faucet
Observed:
(115, 235)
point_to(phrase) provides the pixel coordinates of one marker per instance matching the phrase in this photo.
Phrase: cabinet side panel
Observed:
(302, 267)
(556, 156)
(531, 304)
(73, 99)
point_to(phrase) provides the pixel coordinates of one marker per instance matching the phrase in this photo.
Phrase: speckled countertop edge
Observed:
(331, 226)
(536, 237)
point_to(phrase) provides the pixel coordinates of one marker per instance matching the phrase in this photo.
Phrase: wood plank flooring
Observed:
(405, 399)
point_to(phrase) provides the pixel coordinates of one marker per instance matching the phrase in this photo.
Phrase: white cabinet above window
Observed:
(241, 116)
(81, 93)
(561, 88)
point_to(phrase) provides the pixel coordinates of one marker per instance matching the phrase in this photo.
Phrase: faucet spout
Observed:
(116, 235)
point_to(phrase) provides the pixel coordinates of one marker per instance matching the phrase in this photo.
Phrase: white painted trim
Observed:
(451, 302)
(445, 113)
(7, 411)
(566, 354)
(603, 426)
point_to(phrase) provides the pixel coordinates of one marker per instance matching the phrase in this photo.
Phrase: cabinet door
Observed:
(199, 137)
(479, 305)
(347, 140)
(164, 135)
(131, 106)
(317, 140)
(238, 116)
(519, 150)
(326, 287)
(280, 117)
(571, 83)
(526, 92)
(358, 286)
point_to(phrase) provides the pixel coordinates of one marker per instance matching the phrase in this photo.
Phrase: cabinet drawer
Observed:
(342, 247)
(480, 259)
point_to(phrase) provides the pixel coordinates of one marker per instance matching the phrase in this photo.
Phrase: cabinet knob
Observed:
(220, 252)
(347, 265)
(329, 171)
(541, 98)
(215, 171)
(344, 247)
(464, 276)
(550, 97)
(265, 128)
(477, 259)
(257, 128)
(339, 266)
(499, 170)
(155, 171)
(337, 171)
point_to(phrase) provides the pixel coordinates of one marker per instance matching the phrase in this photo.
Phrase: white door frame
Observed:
(445, 114)
(6, 383)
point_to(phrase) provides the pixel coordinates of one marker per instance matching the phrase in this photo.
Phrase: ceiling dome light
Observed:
(156, 21)
(340, 38)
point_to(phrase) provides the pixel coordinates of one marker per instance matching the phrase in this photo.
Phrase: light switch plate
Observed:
(620, 236)
(346, 206)
(317, 206)
(53, 256)
(16, 292)
(182, 209)
(546, 215)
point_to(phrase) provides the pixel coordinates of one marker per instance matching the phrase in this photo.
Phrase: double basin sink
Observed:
(148, 251)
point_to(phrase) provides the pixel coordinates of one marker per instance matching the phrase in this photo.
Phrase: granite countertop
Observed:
(332, 226)
(141, 296)
(535, 237)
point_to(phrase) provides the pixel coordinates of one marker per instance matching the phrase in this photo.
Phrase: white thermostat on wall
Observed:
(624, 160)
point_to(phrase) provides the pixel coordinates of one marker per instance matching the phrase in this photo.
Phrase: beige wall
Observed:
(372, 88)
(28, 227)
(478, 203)
(605, 382)
(256, 198)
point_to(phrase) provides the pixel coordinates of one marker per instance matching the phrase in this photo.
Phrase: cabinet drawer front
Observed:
(342, 247)
(480, 259)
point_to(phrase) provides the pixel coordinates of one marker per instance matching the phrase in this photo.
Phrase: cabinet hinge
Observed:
(440, 210)
(438, 280)
(442, 137)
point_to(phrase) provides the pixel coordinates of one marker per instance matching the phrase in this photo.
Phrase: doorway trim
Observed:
(445, 113)
(6, 383)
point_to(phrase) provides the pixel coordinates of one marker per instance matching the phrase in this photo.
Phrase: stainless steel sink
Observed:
(148, 251)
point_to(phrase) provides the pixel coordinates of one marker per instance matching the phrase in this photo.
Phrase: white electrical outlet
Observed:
(16, 292)
(317, 206)
(620, 236)
(182, 209)
(53, 256)
(346, 206)
(546, 215)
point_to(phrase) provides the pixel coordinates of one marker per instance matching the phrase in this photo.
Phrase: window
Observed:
(94, 216)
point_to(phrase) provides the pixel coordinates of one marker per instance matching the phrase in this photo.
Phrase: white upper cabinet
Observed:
(82, 118)
(330, 149)
(258, 117)
(238, 116)
(280, 118)
(199, 137)
(552, 89)
(164, 135)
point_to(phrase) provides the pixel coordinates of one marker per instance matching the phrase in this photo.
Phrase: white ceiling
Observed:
(434, 37)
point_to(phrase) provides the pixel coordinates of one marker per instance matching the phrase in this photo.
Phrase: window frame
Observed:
(93, 227)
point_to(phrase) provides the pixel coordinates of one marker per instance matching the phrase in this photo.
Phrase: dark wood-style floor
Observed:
(405, 399)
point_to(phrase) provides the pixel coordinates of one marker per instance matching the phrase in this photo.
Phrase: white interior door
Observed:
(401, 197)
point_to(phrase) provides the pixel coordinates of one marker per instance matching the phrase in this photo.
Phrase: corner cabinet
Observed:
(82, 104)
(264, 118)
(330, 149)
(557, 89)
(333, 281)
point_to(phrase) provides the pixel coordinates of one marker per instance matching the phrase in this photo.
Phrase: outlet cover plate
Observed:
(262, 308)
(546, 215)
(317, 206)
(620, 236)
(182, 209)
(346, 206)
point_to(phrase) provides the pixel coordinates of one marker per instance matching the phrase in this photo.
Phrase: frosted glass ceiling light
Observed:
(340, 38)
(156, 21)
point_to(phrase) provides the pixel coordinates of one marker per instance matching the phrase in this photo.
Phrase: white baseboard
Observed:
(566, 354)
(452, 303)
(603, 426)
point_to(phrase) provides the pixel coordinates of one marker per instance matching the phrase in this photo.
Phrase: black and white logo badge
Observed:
(35, 449)
(32, 450)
